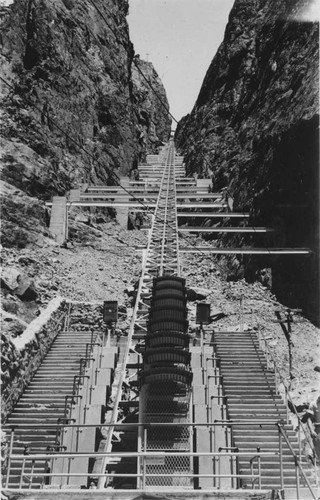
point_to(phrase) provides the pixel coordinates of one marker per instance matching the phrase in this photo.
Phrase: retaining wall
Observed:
(22, 356)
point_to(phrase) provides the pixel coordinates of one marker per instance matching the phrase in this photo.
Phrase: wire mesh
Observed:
(161, 469)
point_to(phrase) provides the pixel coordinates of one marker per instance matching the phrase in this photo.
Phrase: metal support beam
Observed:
(232, 215)
(246, 251)
(193, 229)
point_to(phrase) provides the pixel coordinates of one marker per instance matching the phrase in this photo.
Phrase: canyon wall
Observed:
(254, 129)
(76, 110)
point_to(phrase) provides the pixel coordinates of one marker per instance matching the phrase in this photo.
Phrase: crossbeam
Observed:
(125, 204)
(110, 204)
(246, 251)
(154, 194)
(198, 192)
(116, 196)
(213, 214)
(193, 229)
(203, 196)
(201, 204)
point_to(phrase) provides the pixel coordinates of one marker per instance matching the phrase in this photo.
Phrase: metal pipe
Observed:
(287, 395)
(297, 480)
(134, 454)
(217, 423)
(143, 458)
(281, 430)
(9, 457)
(89, 474)
(22, 472)
(31, 473)
(69, 467)
(281, 460)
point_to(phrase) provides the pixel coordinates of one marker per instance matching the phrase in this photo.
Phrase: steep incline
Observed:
(254, 128)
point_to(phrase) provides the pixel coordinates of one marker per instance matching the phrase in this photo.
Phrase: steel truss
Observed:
(162, 254)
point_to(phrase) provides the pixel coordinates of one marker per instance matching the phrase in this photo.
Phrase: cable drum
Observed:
(164, 292)
(167, 338)
(171, 373)
(166, 314)
(167, 355)
(169, 301)
(168, 325)
(168, 284)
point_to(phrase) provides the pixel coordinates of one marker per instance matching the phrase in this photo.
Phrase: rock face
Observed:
(76, 110)
(254, 128)
(154, 122)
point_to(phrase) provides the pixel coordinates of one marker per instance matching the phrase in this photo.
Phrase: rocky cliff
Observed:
(254, 128)
(76, 110)
(154, 122)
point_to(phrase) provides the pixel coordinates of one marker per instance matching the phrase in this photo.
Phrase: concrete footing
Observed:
(50, 494)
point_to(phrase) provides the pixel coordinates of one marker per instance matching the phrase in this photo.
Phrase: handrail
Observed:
(297, 463)
(152, 453)
(144, 454)
(266, 375)
(126, 475)
(110, 474)
(258, 457)
(75, 378)
(308, 437)
(162, 424)
(72, 398)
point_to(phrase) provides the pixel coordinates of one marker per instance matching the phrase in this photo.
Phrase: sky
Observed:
(180, 38)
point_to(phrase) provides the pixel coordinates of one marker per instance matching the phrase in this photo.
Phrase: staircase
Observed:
(43, 403)
(44, 400)
(251, 397)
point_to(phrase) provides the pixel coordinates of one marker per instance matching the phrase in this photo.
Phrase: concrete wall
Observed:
(22, 355)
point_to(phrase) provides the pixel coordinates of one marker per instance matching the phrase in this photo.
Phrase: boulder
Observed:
(19, 284)
(196, 293)
(26, 290)
(9, 278)
(130, 291)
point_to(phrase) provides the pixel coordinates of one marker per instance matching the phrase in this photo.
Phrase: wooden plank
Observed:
(117, 196)
(193, 229)
(197, 195)
(119, 190)
(246, 251)
(214, 214)
(115, 204)
(185, 180)
(201, 204)
(142, 189)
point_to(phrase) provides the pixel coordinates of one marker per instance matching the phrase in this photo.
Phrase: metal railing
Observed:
(297, 462)
(258, 458)
(33, 461)
(29, 464)
(279, 378)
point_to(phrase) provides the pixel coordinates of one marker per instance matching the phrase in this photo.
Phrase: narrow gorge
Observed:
(217, 357)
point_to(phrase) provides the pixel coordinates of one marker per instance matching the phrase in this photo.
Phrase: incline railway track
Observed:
(183, 413)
